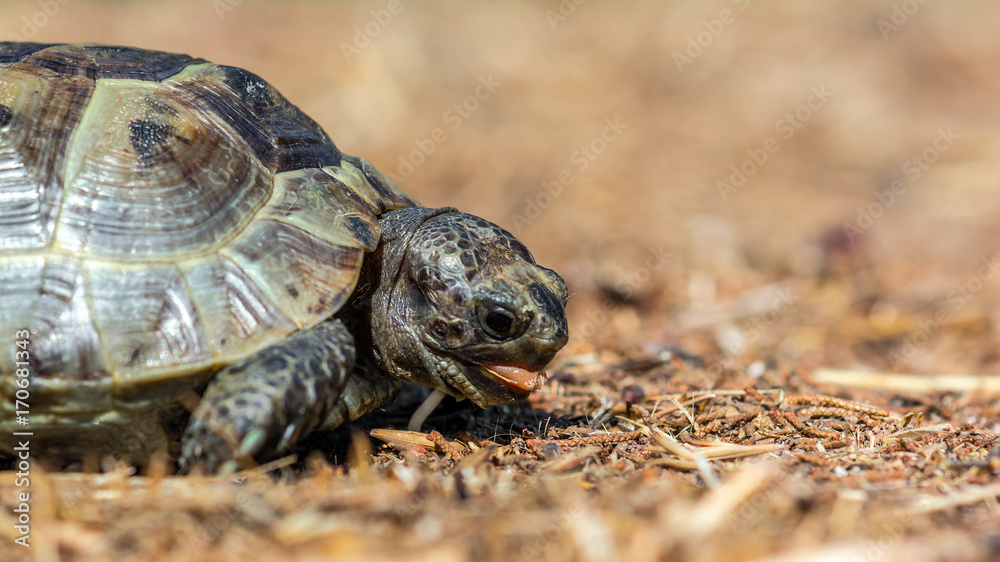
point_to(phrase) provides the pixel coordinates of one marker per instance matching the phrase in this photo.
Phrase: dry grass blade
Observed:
(265, 468)
(716, 508)
(917, 432)
(707, 451)
(965, 497)
(909, 383)
(728, 452)
(669, 444)
(413, 439)
(725, 451)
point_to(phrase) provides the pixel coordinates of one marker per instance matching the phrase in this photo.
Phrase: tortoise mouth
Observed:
(491, 385)
(516, 379)
(497, 385)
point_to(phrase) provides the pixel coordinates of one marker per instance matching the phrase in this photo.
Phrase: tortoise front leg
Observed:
(365, 391)
(254, 409)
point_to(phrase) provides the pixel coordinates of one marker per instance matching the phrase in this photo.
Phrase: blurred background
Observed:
(793, 183)
(770, 187)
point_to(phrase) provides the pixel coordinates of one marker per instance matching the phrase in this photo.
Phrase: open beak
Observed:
(516, 379)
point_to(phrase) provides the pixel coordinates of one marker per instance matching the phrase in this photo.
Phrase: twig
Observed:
(910, 383)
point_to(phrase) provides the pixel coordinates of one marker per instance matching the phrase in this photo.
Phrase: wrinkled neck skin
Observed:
(382, 323)
(420, 311)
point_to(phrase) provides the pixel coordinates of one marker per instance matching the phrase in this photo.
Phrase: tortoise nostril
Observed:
(439, 329)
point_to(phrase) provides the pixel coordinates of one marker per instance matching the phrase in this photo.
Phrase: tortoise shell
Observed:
(162, 216)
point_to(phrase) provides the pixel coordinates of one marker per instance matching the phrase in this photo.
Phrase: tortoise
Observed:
(189, 264)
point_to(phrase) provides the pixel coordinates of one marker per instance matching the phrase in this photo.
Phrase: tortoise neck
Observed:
(366, 314)
(357, 312)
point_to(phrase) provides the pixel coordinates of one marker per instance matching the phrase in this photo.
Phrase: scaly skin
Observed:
(255, 408)
(446, 297)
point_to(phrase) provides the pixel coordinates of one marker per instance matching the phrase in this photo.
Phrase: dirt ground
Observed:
(778, 224)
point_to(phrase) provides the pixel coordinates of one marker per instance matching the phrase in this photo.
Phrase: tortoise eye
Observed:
(499, 323)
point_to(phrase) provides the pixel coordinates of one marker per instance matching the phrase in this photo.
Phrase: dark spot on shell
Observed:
(5, 115)
(146, 135)
(250, 87)
(471, 275)
(468, 260)
(450, 236)
(362, 230)
(240, 402)
(279, 134)
(464, 244)
(223, 410)
(276, 363)
(222, 341)
(449, 249)
(292, 291)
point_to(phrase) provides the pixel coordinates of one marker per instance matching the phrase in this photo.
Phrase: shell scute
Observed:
(277, 256)
(98, 62)
(38, 118)
(278, 133)
(146, 319)
(15, 51)
(48, 295)
(236, 315)
(149, 175)
(161, 216)
(319, 204)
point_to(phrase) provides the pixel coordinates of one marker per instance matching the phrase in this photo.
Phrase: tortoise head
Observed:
(462, 307)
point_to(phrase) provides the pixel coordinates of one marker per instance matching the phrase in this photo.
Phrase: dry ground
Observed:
(708, 306)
